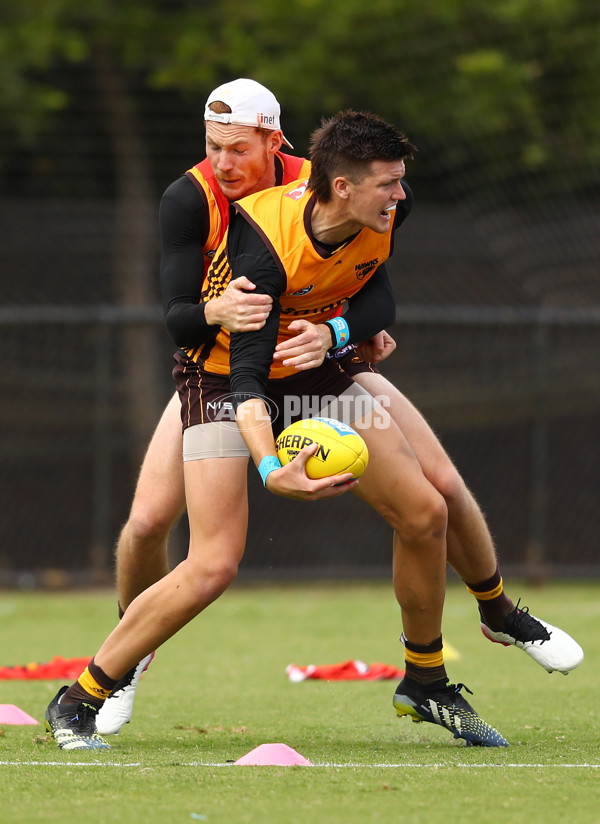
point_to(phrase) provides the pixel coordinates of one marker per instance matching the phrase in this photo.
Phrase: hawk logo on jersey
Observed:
(304, 291)
(363, 269)
(298, 192)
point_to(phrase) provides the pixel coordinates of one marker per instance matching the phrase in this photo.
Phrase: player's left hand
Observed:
(377, 348)
(291, 480)
(308, 347)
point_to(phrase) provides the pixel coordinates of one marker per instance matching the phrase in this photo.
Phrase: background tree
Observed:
(499, 97)
(466, 79)
(101, 106)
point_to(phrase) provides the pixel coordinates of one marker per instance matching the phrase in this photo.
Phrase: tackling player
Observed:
(242, 156)
(346, 215)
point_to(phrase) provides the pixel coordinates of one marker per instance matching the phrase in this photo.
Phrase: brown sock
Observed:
(493, 604)
(424, 663)
(93, 686)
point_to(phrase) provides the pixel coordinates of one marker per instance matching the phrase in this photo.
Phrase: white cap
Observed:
(251, 105)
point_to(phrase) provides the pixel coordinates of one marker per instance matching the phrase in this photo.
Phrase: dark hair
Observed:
(347, 144)
(218, 107)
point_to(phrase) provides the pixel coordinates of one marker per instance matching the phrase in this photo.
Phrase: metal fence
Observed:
(513, 392)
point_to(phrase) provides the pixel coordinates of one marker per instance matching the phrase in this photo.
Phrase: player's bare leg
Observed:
(218, 514)
(158, 503)
(141, 553)
(394, 485)
(470, 547)
(471, 550)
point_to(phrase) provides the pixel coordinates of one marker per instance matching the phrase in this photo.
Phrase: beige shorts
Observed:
(222, 439)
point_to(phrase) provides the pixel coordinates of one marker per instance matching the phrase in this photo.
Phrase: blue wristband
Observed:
(268, 465)
(341, 332)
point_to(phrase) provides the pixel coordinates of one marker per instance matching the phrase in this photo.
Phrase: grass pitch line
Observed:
(351, 765)
(453, 764)
(68, 764)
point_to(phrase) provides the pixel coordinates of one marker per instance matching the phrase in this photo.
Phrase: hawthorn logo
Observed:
(298, 192)
(363, 269)
(304, 291)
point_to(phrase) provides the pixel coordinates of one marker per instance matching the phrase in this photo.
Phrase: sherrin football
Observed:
(340, 448)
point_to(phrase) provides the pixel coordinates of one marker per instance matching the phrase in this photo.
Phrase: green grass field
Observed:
(219, 689)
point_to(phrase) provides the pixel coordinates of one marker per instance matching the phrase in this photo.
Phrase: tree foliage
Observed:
(506, 89)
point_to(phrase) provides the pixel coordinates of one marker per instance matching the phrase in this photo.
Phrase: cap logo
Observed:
(265, 119)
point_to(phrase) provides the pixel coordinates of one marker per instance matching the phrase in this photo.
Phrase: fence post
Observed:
(100, 555)
(535, 555)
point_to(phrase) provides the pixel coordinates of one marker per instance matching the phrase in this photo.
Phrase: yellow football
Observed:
(340, 447)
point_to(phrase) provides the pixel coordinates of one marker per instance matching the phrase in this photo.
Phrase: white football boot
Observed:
(118, 707)
(552, 648)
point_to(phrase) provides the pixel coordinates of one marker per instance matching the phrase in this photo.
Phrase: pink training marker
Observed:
(9, 714)
(274, 755)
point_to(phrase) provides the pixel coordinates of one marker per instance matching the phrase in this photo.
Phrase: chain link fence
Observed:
(512, 389)
(496, 278)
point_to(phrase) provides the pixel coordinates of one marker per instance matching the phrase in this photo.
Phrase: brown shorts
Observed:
(350, 361)
(206, 399)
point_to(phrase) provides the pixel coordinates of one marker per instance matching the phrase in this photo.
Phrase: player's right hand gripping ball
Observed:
(340, 447)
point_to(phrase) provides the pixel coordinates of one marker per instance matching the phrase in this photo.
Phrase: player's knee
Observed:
(146, 529)
(203, 580)
(449, 484)
(426, 520)
(213, 577)
(223, 573)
